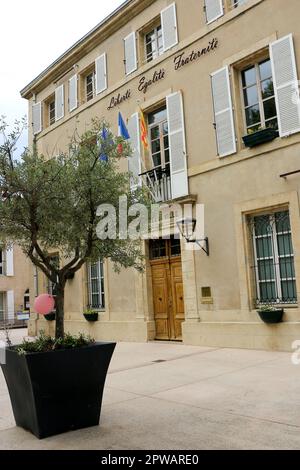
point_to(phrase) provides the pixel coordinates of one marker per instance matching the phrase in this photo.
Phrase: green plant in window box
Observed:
(91, 315)
(270, 314)
(260, 135)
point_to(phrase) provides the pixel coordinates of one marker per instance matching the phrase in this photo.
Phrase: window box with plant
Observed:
(61, 379)
(260, 136)
(259, 104)
(91, 315)
(270, 314)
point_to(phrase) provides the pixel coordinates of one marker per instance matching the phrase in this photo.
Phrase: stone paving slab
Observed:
(198, 398)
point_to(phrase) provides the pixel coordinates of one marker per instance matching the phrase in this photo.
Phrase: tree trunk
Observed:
(60, 312)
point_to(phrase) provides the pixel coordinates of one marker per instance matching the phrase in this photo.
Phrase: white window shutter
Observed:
(214, 10)
(134, 162)
(101, 74)
(130, 53)
(9, 257)
(223, 109)
(178, 160)
(169, 26)
(37, 118)
(73, 93)
(10, 297)
(59, 103)
(286, 86)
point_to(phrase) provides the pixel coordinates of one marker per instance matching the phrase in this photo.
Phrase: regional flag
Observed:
(144, 135)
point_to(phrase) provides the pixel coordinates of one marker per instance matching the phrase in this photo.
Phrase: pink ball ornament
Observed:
(44, 304)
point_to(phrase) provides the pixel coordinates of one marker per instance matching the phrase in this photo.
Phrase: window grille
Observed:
(273, 255)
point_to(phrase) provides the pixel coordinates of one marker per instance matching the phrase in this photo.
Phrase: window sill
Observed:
(279, 306)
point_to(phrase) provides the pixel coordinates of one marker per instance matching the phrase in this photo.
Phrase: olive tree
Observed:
(50, 205)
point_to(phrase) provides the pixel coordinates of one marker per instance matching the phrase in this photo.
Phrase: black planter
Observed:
(92, 317)
(271, 316)
(50, 316)
(260, 137)
(59, 391)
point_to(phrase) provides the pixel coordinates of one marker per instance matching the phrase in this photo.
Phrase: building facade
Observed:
(217, 83)
(15, 282)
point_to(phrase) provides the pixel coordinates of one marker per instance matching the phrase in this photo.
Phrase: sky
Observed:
(32, 35)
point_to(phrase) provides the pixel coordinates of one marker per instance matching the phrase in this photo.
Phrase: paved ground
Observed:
(199, 398)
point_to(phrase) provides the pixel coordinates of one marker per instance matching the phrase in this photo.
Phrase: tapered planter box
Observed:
(58, 391)
(260, 137)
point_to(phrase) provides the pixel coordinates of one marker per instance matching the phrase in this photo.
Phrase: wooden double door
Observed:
(168, 298)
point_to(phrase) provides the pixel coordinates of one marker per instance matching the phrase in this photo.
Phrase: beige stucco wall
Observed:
(229, 187)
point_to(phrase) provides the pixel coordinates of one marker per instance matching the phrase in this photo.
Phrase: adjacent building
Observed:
(15, 281)
(217, 82)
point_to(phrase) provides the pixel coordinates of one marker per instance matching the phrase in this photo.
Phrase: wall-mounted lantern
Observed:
(187, 229)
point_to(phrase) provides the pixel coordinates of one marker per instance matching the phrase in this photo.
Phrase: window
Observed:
(162, 248)
(90, 86)
(153, 44)
(51, 286)
(215, 9)
(51, 108)
(96, 296)
(159, 140)
(274, 269)
(27, 300)
(1, 262)
(158, 249)
(158, 179)
(2, 309)
(258, 96)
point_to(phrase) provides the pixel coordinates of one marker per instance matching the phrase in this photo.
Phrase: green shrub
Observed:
(45, 343)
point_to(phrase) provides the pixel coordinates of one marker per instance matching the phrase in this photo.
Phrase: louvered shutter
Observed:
(37, 118)
(101, 74)
(10, 297)
(178, 161)
(214, 10)
(134, 162)
(286, 85)
(73, 93)
(169, 26)
(59, 103)
(224, 122)
(130, 53)
(9, 257)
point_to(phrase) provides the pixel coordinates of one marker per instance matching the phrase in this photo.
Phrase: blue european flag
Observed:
(104, 135)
